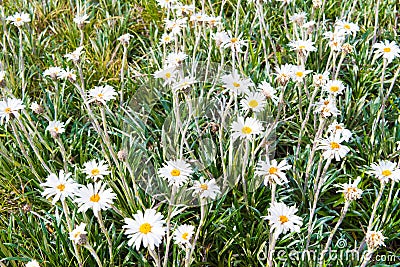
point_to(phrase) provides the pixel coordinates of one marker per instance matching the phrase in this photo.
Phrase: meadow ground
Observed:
(199, 133)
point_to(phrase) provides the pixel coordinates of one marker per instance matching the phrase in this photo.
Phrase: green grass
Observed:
(234, 233)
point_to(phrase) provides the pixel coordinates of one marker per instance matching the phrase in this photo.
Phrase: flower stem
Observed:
(105, 232)
(94, 254)
(378, 199)
(328, 243)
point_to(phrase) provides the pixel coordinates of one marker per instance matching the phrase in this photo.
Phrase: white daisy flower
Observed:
(303, 46)
(234, 43)
(77, 234)
(220, 37)
(166, 3)
(125, 38)
(168, 74)
(94, 196)
(338, 128)
(32, 263)
(299, 73)
(96, 170)
(10, 107)
(351, 191)
(283, 73)
(214, 21)
(176, 172)
(19, 19)
(183, 234)
(59, 187)
(384, 170)
(36, 108)
(334, 87)
(198, 17)
(327, 108)
(147, 228)
(236, 84)
(333, 148)
(273, 172)
(175, 26)
(80, 20)
(336, 40)
(175, 59)
(387, 50)
(206, 189)
(346, 27)
(269, 92)
(56, 127)
(166, 38)
(102, 94)
(298, 18)
(182, 10)
(53, 72)
(75, 55)
(374, 240)
(282, 219)
(186, 82)
(320, 79)
(246, 128)
(254, 102)
(67, 74)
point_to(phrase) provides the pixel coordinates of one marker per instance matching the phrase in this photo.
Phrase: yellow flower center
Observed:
(95, 171)
(338, 127)
(167, 38)
(145, 228)
(77, 234)
(346, 26)
(386, 173)
(351, 190)
(100, 95)
(168, 75)
(334, 88)
(185, 236)
(61, 187)
(273, 170)
(204, 186)
(301, 47)
(175, 172)
(95, 198)
(335, 145)
(56, 129)
(299, 74)
(246, 130)
(326, 102)
(18, 19)
(253, 103)
(235, 84)
(387, 49)
(283, 219)
(234, 40)
(7, 110)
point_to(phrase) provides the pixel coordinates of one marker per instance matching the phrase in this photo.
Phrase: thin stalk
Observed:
(155, 258)
(105, 232)
(328, 243)
(388, 203)
(122, 73)
(21, 63)
(378, 199)
(28, 137)
(24, 152)
(168, 237)
(94, 254)
(316, 197)
(69, 224)
(202, 220)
